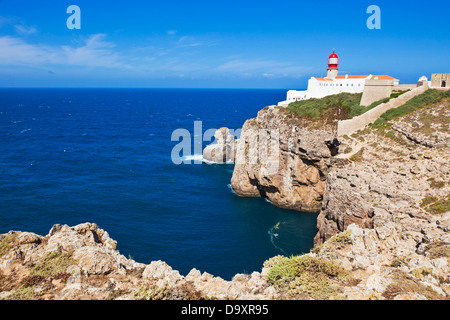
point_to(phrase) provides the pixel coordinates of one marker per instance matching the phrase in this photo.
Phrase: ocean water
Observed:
(70, 156)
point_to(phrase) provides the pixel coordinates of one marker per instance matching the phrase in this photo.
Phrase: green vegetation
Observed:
(419, 273)
(153, 292)
(404, 283)
(307, 276)
(348, 149)
(335, 107)
(39, 282)
(53, 264)
(25, 293)
(427, 98)
(336, 242)
(358, 157)
(436, 184)
(6, 243)
(438, 250)
(428, 200)
(341, 240)
(436, 206)
(399, 261)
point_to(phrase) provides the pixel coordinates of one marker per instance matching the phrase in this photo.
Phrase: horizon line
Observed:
(142, 88)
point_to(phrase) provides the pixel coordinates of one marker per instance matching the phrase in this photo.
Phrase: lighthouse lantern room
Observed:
(333, 62)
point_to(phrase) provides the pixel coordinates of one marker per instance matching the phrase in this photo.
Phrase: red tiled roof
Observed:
(380, 77)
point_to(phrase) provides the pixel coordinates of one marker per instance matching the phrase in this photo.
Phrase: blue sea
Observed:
(71, 156)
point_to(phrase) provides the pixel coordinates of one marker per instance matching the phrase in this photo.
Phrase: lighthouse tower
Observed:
(333, 62)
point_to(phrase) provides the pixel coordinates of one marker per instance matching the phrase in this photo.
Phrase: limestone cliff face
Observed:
(291, 174)
(400, 176)
(82, 262)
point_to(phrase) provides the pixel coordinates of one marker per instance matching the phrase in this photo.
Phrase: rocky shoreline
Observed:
(383, 200)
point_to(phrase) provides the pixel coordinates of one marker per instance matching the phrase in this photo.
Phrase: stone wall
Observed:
(438, 78)
(375, 90)
(404, 87)
(350, 126)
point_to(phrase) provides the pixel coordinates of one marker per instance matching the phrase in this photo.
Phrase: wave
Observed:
(197, 157)
(273, 235)
(231, 188)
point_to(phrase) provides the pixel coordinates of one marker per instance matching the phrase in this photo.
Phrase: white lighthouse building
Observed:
(335, 84)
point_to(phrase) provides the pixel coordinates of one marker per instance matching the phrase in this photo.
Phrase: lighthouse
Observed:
(333, 62)
(371, 86)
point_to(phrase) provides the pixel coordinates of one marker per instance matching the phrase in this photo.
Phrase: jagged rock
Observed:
(283, 162)
(162, 272)
(223, 148)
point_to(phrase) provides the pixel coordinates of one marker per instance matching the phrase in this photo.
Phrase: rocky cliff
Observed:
(303, 160)
(383, 196)
(82, 262)
(384, 201)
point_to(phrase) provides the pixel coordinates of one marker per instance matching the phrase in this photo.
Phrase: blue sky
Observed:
(216, 44)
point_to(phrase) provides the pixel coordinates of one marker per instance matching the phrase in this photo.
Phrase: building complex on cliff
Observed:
(372, 87)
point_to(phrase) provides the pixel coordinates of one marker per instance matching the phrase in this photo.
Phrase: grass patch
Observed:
(307, 276)
(438, 250)
(184, 292)
(399, 261)
(348, 149)
(25, 293)
(335, 107)
(419, 273)
(53, 264)
(358, 157)
(436, 184)
(440, 206)
(6, 243)
(404, 283)
(341, 240)
(428, 200)
(436, 206)
(429, 97)
(327, 109)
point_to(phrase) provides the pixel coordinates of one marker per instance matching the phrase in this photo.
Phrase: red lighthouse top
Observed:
(333, 61)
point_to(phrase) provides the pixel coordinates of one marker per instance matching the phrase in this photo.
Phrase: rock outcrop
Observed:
(223, 149)
(82, 262)
(383, 227)
(280, 159)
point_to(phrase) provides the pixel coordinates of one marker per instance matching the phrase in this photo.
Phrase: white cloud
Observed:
(268, 68)
(94, 52)
(25, 30)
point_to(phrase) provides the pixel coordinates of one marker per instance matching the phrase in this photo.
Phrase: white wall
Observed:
(319, 89)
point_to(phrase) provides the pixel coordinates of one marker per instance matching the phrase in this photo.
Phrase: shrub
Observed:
(404, 283)
(327, 109)
(185, 291)
(438, 250)
(6, 243)
(358, 157)
(430, 96)
(436, 206)
(307, 275)
(54, 263)
(25, 293)
(421, 272)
